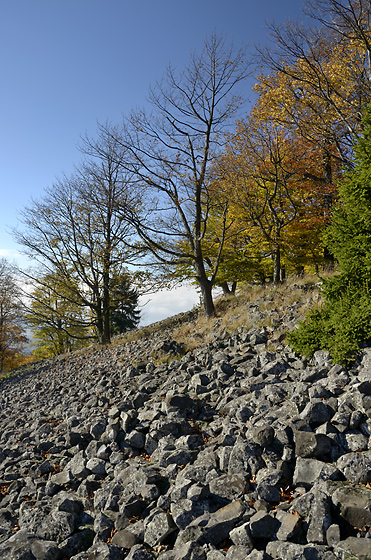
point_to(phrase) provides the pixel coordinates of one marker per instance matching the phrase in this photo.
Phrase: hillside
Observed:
(190, 441)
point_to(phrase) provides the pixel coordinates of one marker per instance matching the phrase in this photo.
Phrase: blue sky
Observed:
(68, 64)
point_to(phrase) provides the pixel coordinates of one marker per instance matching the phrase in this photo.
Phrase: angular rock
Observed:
(190, 551)
(96, 466)
(140, 552)
(290, 525)
(213, 528)
(185, 511)
(353, 548)
(237, 552)
(241, 536)
(353, 504)
(309, 444)
(309, 471)
(76, 543)
(135, 439)
(158, 525)
(356, 467)
(105, 443)
(317, 412)
(179, 402)
(291, 551)
(263, 435)
(124, 539)
(103, 551)
(229, 486)
(320, 518)
(45, 550)
(263, 526)
(245, 458)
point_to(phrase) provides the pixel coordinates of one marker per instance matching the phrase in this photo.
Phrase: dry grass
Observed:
(5, 375)
(132, 336)
(230, 315)
(232, 312)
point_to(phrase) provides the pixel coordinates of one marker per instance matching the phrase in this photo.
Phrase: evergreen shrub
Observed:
(342, 325)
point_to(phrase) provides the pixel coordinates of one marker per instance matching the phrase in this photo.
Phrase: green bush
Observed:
(340, 328)
(343, 323)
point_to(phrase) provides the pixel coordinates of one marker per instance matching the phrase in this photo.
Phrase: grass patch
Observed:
(191, 329)
(232, 312)
(5, 375)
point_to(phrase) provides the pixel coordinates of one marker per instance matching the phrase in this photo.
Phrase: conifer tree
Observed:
(125, 314)
(343, 323)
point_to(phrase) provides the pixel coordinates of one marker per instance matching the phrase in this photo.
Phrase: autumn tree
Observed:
(275, 211)
(318, 82)
(77, 230)
(12, 329)
(264, 174)
(171, 151)
(343, 323)
(317, 78)
(58, 320)
(221, 224)
(350, 22)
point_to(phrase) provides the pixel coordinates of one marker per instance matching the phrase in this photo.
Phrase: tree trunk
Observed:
(207, 300)
(262, 278)
(100, 325)
(327, 202)
(60, 342)
(106, 313)
(107, 327)
(276, 256)
(206, 288)
(228, 291)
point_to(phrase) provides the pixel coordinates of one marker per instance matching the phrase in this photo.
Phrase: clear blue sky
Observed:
(67, 64)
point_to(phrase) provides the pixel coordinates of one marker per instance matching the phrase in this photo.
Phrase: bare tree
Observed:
(171, 153)
(350, 20)
(77, 230)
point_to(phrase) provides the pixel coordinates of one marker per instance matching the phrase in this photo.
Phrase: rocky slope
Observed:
(238, 450)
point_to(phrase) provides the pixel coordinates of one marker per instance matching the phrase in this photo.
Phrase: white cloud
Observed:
(15, 257)
(8, 253)
(167, 303)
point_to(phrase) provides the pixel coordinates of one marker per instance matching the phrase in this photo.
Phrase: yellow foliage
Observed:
(321, 95)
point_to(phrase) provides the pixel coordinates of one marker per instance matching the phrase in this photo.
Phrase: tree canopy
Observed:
(170, 152)
(343, 323)
(195, 189)
(13, 339)
(77, 232)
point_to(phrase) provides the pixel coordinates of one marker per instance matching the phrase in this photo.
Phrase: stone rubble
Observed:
(239, 449)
